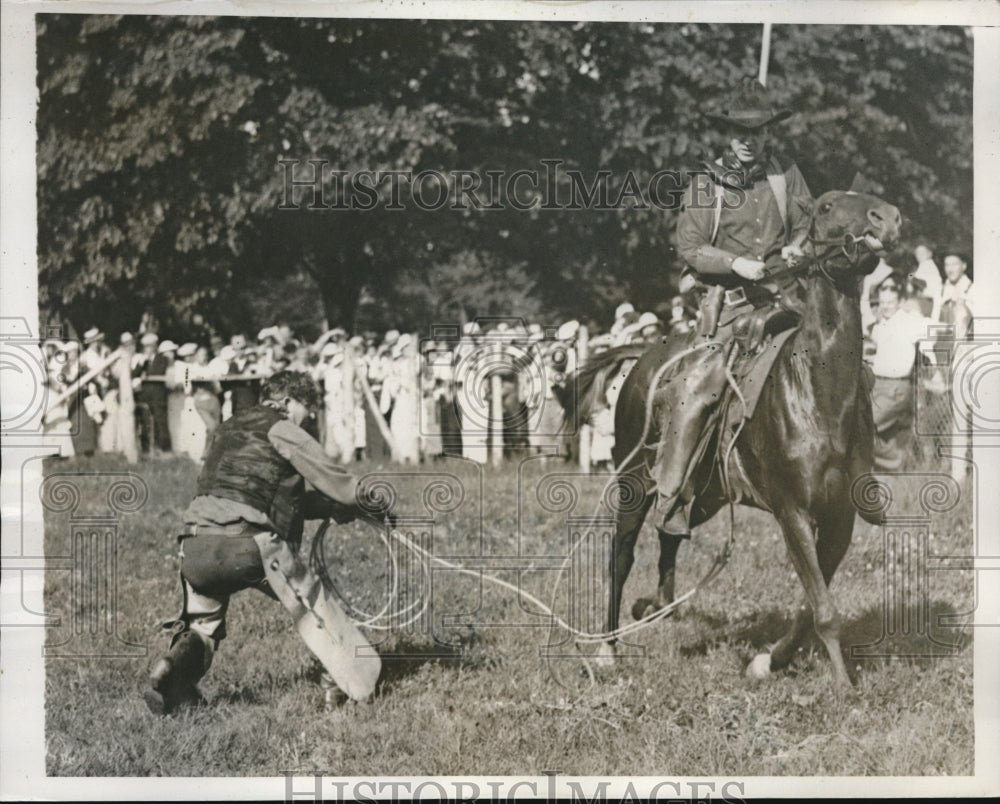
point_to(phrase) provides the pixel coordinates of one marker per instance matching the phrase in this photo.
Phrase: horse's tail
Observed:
(585, 387)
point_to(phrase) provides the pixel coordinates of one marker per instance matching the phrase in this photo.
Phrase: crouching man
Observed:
(263, 476)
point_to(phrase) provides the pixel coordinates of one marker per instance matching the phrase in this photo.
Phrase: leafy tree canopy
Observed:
(161, 184)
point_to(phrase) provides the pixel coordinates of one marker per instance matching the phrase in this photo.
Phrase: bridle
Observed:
(849, 246)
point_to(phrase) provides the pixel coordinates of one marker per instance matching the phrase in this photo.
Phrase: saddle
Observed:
(755, 325)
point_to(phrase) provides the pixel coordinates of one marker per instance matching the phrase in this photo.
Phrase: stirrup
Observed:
(676, 524)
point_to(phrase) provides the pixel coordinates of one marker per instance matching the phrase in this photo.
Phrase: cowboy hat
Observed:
(749, 107)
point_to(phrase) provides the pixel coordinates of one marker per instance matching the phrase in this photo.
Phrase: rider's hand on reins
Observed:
(792, 254)
(748, 269)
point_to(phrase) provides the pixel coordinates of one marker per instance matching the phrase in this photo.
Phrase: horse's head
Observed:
(851, 230)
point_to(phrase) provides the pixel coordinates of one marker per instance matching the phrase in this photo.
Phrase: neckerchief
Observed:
(735, 174)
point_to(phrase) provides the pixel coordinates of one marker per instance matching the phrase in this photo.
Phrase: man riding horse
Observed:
(743, 212)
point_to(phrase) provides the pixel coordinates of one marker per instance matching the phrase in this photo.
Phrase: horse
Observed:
(810, 435)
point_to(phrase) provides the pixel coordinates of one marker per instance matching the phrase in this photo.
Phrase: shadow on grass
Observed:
(918, 634)
(405, 656)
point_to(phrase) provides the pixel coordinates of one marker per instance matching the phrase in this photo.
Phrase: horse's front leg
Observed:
(628, 523)
(814, 562)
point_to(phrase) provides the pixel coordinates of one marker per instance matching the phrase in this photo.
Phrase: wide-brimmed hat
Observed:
(166, 346)
(187, 349)
(568, 330)
(149, 338)
(750, 107)
(92, 334)
(623, 309)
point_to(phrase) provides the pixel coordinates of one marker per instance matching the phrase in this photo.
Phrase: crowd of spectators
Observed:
(914, 320)
(396, 396)
(410, 399)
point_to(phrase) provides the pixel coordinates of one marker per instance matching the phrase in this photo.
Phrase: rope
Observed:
(582, 637)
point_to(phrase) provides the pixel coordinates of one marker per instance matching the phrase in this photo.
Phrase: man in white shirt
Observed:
(894, 336)
(957, 295)
(927, 271)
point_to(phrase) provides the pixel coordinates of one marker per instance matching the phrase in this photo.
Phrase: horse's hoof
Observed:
(643, 607)
(605, 656)
(760, 667)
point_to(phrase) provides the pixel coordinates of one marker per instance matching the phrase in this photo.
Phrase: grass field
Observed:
(476, 696)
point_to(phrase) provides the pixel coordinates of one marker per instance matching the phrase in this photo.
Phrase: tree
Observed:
(162, 140)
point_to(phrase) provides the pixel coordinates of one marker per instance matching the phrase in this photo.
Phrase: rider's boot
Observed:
(690, 406)
(174, 677)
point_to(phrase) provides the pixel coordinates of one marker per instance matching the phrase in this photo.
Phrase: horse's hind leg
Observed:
(644, 606)
(815, 564)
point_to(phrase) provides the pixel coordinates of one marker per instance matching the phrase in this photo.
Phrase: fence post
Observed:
(496, 418)
(126, 405)
(581, 359)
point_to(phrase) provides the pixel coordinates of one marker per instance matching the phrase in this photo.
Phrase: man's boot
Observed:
(693, 396)
(174, 677)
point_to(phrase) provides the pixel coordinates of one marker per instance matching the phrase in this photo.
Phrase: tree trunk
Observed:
(340, 300)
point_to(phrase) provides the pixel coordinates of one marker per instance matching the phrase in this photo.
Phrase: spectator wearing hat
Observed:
(355, 352)
(267, 350)
(244, 389)
(155, 392)
(57, 422)
(621, 321)
(84, 418)
(958, 308)
(338, 402)
(650, 328)
(402, 383)
(145, 426)
(94, 354)
(471, 404)
(869, 294)
(957, 294)
(187, 434)
(108, 440)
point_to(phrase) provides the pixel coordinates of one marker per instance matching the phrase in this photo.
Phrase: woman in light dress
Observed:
(187, 427)
(405, 424)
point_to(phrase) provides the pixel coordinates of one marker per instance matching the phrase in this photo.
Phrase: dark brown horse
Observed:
(810, 436)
